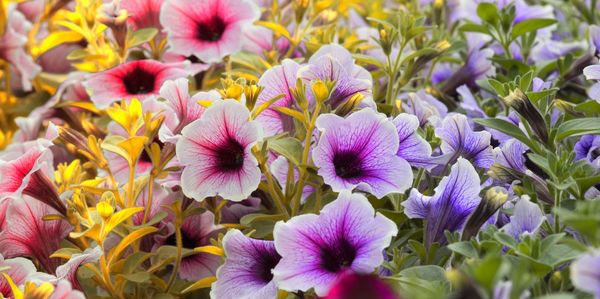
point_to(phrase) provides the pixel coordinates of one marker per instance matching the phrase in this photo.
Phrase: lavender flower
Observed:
(585, 273)
(459, 140)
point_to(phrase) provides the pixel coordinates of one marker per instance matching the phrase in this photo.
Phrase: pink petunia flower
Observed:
(210, 29)
(216, 153)
(27, 234)
(18, 269)
(143, 13)
(139, 79)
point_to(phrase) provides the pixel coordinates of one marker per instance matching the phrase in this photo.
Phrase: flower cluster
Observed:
(338, 149)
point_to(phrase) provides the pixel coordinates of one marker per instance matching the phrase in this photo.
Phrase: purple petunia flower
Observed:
(360, 152)
(585, 273)
(216, 153)
(459, 140)
(412, 147)
(246, 272)
(511, 154)
(588, 149)
(527, 219)
(424, 106)
(456, 196)
(316, 250)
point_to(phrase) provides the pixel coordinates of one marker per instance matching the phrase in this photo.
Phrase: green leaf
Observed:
(531, 25)
(141, 36)
(505, 239)
(488, 12)
(428, 272)
(577, 127)
(535, 96)
(289, 147)
(472, 27)
(464, 248)
(506, 128)
(138, 277)
(588, 107)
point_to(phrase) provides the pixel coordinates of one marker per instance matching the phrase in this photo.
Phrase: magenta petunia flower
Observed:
(139, 79)
(360, 152)
(316, 250)
(30, 175)
(18, 269)
(216, 153)
(361, 286)
(27, 234)
(210, 29)
(143, 13)
(246, 272)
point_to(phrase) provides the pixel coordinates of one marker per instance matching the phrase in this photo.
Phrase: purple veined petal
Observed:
(361, 286)
(246, 273)
(594, 32)
(18, 269)
(511, 155)
(216, 153)
(317, 249)
(424, 107)
(68, 270)
(456, 196)
(412, 148)
(527, 219)
(280, 168)
(588, 149)
(458, 139)
(276, 81)
(592, 72)
(594, 92)
(469, 103)
(585, 273)
(360, 152)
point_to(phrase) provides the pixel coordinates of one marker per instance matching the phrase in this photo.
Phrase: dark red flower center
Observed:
(230, 156)
(337, 256)
(347, 165)
(211, 30)
(139, 81)
(186, 241)
(265, 263)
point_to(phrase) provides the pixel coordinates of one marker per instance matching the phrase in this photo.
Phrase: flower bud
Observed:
(349, 105)
(115, 18)
(320, 90)
(300, 7)
(493, 200)
(521, 103)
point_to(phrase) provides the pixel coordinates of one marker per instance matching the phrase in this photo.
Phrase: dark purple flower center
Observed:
(139, 81)
(265, 263)
(337, 256)
(595, 153)
(211, 30)
(347, 165)
(144, 157)
(230, 156)
(186, 241)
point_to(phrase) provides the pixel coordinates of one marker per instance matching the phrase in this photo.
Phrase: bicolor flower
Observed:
(27, 234)
(216, 153)
(246, 272)
(459, 140)
(197, 230)
(316, 250)
(68, 270)
(424, 106)
(139, 79)
(588, 149)
(526, 220)
(278, 80)
(412, 147)
(334, 63)
(18, 269)
(30, 175)
(360, 152)
(585, 273)
(361, 286)
(182, 108)
(143, 13)
(233, 211)
(455, 198)
(209, 30)
(280, 167)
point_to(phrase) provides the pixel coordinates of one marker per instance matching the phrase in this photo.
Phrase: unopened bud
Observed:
(521, 103)
(320, 90)
(493, 200)
(349, 105)
(104, 207)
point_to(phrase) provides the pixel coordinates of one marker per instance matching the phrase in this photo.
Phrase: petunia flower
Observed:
(210, 29)
(316, 250)
(233, 211)
(424, 106)
(27, 234)
(588, 149)
(278, 80)
(139, 79)
(143, 13)
(456, 196)
(246, 272)
(68, 271)
(526, 220)
(12, 47)
(216, 153)
(279, 168)
(18, 269)
(585, 273)
(30, 175)
(197, 230)
(360, 152)
(361, 286)
(334, 63)
(459, 140)
(412, 147)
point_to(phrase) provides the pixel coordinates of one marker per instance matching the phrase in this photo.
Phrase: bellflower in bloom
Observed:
(456, 196)
(360, 152)
(318, 249)
(585, 273)
(246, 272)
(278, 80)
(527, 219)
(197, 230)
(27, 234)
(360, 286)
(209, 30)
(216, 153)
(413, 148)
(30, 175)
(334, 63)
(139, 79)
(588, 149)
(12, 47)
(459, 140)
